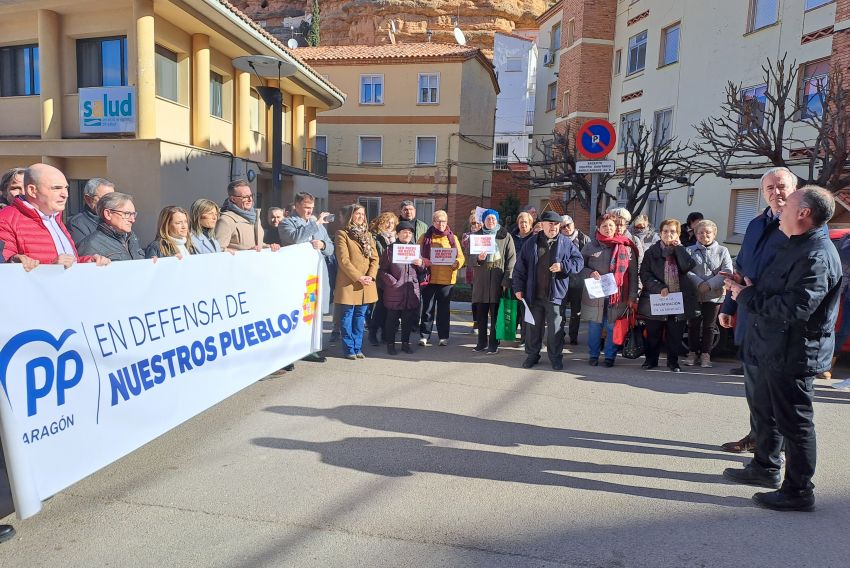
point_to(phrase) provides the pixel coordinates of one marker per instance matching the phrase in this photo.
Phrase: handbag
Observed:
(506, 318)
(634, 345)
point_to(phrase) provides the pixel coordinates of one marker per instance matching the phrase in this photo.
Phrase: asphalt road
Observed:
(450, 458)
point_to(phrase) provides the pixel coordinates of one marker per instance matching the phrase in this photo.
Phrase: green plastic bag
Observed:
(506, 319)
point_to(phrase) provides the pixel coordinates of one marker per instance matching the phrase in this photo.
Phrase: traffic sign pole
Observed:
(594, 197)
(595, 139)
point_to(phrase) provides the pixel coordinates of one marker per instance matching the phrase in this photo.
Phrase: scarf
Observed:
(671, 269)
(249, 215)
(494, 256)
(389, 236)
(360, 234)
(619, 262)
(429, 236)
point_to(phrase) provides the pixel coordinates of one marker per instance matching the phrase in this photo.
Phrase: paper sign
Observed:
(479, 214)
(671, 305)
(405, 254)
(605, 286)
(529, 317)
(482, 243)
(443, 256)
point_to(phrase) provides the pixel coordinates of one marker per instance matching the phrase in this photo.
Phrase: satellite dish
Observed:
(292, 43)
(459, 37)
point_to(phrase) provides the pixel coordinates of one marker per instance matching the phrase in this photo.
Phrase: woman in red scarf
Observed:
(608, 253)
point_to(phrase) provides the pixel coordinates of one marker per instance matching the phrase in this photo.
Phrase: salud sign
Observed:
(595, 167)
(108, 110)
(596, 138)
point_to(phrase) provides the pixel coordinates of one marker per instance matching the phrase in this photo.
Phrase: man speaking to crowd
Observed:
(793, 308)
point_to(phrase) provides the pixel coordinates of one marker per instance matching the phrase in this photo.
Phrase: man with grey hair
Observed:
(85, 222)
(574, 292)
(758, 249)
(276, 216)
(114, 237)
(792, 309)
(408, 213)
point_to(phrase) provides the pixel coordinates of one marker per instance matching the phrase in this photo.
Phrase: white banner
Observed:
(670, 305)
(97, 361)
(444, 256)
(482, 244)
(405, 254)
(605, 286)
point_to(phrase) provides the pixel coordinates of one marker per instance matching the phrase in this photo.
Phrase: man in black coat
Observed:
(793, 309)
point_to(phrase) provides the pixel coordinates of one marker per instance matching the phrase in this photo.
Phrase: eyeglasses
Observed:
(640, 227)
(248, 197)
(126, 215)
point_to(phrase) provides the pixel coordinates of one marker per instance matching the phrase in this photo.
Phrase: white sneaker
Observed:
(423, 342)
(444, 342)
(691, 359)
(845, 384)
(705, 361)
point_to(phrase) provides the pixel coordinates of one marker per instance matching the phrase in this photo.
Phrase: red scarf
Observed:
(619, 262)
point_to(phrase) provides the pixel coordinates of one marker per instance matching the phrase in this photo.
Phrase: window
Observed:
(669, 45)
(371, 150)
(501, 155)
(254, 111)
(662, 127)
(322, 143)
(426, 150)
(371, 89)
(372, 205)
(513, 64)
(555, 38)
(763, 13)
(19, 71)
(618, 61)
(754, 106)
(571, 32)
(746, 203)
(629, 131)
(167, 75)
(429, 88)
(102, 62)
(637, 53)
(216, 95)
(551, 96)
(424, 208)
(565, 103)
(812, 4)
(548, 154)
(815, 80)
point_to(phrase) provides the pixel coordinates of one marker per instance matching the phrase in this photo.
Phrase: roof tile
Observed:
(385, 52)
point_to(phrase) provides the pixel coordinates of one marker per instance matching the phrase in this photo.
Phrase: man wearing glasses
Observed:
(114, 237)
(239, 226)
(32, 227)
(85, 222)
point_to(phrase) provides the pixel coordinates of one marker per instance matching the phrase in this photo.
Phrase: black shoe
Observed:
(480, 348)
(290, 367)
(6, 532)
(782, 501)
(530, 362)
(334, 336)
(736, 371)
(573, 341)
(593, 362)
(405, 347)
(649, 364)
(674, 368)
(391, 349)
(754, 475)
(609, 363)
(558, 366)
(315, 358)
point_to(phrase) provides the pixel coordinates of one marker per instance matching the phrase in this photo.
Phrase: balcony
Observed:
(316, 162)
(529, 118)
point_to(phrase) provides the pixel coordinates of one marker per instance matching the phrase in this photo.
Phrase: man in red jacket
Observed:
(32, 227)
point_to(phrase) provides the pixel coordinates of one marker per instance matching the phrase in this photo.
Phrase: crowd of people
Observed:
(543, 261)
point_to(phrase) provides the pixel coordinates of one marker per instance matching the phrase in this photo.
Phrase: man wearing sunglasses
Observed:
(114, 237)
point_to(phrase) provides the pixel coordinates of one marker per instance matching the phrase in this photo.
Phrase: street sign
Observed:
(596, 138)
(595, 167)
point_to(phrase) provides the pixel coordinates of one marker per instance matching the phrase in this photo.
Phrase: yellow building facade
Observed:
(417, 124)
(199, 122)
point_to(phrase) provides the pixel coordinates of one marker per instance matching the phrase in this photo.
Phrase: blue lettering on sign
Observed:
(44, 373)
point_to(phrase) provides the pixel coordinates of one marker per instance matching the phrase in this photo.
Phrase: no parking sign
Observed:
(596, 138)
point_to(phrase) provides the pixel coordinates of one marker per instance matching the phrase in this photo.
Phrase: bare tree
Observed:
(766, 127)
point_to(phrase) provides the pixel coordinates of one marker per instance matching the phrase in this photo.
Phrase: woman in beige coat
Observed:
(357, 267)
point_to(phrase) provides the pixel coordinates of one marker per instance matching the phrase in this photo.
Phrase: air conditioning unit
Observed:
(548, 58)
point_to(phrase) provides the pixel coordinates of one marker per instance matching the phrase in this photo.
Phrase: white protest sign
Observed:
(528, 317)
(85, 383)
(479, 214)
(443, 256)
(666, 306)
(605, 286)
(482, 243)
(405, 254)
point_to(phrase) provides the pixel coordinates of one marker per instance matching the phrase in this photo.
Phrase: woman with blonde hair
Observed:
(383, 231)
(203, 216)
(437, 294)
(355, 288)
(172, 234)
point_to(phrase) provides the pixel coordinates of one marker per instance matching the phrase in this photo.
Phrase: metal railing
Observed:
(529, 118)
(316, 162)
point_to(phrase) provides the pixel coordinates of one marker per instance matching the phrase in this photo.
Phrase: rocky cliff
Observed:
(347, 22)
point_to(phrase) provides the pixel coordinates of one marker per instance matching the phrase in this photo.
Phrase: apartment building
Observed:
(146, 94)
(420, 126)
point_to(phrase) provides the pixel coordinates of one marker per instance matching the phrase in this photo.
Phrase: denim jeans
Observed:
(353, 322)
(594, 337)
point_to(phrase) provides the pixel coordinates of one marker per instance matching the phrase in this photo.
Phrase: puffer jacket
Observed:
(82, 225)
(443, 273)
(652, 278)
(23, 231)
(112, 244)
(399, 283)
(710, 261)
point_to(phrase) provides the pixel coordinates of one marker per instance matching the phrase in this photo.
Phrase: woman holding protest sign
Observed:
(442, 256)
(664, 271)
(383, 229)
(399, 280)
(172, 235)
(612, 257)
(357, 267)
(492, 257)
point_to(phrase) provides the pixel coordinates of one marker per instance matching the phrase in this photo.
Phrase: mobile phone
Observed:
(330, 218)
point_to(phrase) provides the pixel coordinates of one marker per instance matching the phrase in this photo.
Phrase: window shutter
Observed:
(746, 209)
